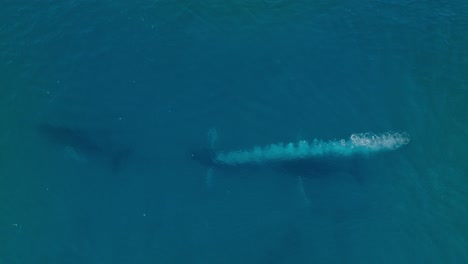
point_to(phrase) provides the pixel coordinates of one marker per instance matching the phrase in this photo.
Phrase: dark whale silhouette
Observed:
(317, 167)
(84, 144)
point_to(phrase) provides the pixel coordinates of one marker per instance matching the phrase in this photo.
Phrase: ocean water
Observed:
(160, 78)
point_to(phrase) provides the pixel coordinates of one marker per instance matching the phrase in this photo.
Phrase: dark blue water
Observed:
(151, 78)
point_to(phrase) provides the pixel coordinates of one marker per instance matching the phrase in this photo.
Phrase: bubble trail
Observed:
(357, 144)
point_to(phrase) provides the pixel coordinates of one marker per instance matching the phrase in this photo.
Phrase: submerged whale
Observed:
(83, 145)
(311, 167)
(305, 157)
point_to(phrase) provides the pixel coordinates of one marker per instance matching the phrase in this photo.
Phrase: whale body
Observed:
(83, 145)
(302, 156)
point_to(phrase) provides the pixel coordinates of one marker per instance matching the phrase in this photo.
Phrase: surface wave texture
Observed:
(104, 103)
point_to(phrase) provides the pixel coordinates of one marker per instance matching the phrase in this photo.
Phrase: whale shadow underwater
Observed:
(308, 168)
(84, 145)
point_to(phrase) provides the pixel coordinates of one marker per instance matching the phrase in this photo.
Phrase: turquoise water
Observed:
(155, 77)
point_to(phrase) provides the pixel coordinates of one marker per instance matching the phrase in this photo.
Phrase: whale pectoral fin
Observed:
(212, 137)
(302, 191)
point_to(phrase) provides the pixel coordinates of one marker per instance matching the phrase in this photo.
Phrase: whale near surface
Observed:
(356, 144)
(82, 145)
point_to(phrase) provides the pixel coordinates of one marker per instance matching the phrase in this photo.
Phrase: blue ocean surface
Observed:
(115, 116)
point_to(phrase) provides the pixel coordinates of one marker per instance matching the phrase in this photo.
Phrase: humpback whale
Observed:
(317, 159)
(83, 145)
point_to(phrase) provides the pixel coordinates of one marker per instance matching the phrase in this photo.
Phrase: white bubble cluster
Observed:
(387, 140)
(361, 143)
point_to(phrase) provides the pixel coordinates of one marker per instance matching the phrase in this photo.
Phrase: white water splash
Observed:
(357, 144)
